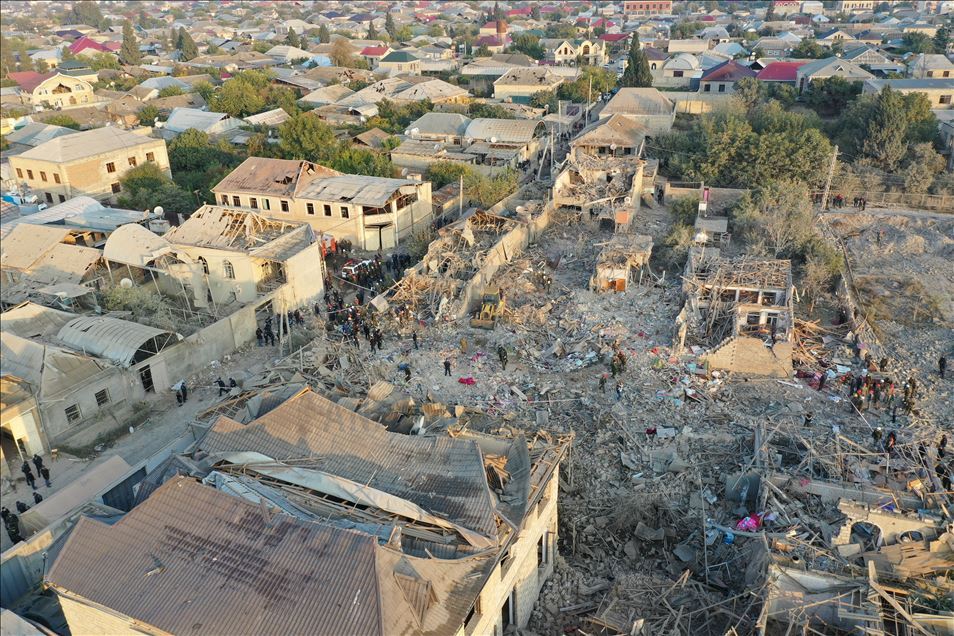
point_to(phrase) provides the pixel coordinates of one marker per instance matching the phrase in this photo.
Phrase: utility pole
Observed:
(460, 201)
(589, 99)
(831, 173)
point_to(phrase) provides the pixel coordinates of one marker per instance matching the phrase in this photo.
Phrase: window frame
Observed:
(105, 394)
(75, 416)
(116, 187)
(110, 167)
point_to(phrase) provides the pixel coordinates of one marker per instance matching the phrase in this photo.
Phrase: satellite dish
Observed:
(613, 147)
(701, 237)
(437, 146)
(628, 200)
(126, 283)
(493, 140)
(415, 131)
(407, 132)
(159, 124)
(404, 172)
(158, 210)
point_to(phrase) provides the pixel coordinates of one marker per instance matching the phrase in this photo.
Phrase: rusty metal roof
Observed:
(194, 560)
(442, 475)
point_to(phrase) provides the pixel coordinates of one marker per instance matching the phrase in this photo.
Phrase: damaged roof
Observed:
(357, 189)
(118, 340)
(442, 475)
(519, 131)
(267, 176)
(618, 130)
(237, 568)
(239, 230)
(26, 243)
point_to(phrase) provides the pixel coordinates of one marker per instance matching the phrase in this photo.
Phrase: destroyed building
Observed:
(313, 506)
(619, 257)
(739, 311)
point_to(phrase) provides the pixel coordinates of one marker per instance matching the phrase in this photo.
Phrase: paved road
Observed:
(918, 214)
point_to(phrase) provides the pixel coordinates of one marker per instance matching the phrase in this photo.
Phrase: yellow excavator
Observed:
(491, 306)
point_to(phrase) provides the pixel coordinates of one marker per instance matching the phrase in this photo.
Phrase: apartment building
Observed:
(647, 7)
(372, 212)
(86, 163)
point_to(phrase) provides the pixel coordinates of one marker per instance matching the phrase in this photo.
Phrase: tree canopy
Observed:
(146, 186)
(528, 44)
(637, 67)
(589, 84)
(129, 53)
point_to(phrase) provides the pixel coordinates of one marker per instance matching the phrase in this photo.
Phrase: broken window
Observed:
(229, 270)
(253, 203)
(236, 201)
(132, 161)
(225, 199)
(345, 214)
(102, 397)
(150, 156)
(752, 319)
(327, 210)
(769, 298)
(116, 187)
(748, 296)
(284, 205)
(310, 209)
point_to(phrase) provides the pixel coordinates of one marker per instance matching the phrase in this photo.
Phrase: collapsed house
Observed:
(618, 259)
(604, 187)
(313, 506)
(738, 312)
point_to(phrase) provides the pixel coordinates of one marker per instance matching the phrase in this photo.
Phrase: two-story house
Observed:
(371, 212)
(86, 163)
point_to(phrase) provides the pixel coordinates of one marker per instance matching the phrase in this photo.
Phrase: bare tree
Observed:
(341, 53)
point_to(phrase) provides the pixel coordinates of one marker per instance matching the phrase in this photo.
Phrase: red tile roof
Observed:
(729, 71)
(614, 37)
(523, 11)
(372, 51)
(85, 43)
(780, 71)
(29, 80)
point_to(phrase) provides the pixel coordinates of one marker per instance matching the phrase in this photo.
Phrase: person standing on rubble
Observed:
(876, 438)
(942, 365)
(502, 354)
(447, 366)
(603, 382)
(619, 390)
(414, 338)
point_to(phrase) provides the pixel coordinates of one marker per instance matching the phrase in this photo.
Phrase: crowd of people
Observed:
(11, 520)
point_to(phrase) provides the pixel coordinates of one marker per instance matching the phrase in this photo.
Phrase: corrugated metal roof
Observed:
(181, 119)
(518, 131)
(264, 175)
(443, 475)
(50, 370)
(30, 320)
(638, 101)
(441, 124)
(110, 338)
(64, 264)
(272, 117)
(357, 189)
(85, 144)
(193, 560)
(26, 243)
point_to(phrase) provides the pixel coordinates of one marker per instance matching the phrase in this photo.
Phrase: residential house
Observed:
(866, 56)
(677, 71)
(520, 84)
(722, 77)
(399, 63)
(82, 213)
(212, 124)
(574, 52)
(444, 127)
(774, 47)
(940, 92)
(850, 6)
(52, 90)
(786, 7)
(785, 72)
(830, 67)
(374, 139)
(474, 551)
(640, 8)
(691, 45)
(613, 136)
(284, 54)
(327, 95)
(646, 106)
(834, 35)
(50, 57)
(929, 66)
(86, 163)
(372, 212)
(373, 54)
(509, 140)
(87, 47)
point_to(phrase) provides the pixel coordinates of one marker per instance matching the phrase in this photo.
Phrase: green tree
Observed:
(809, 48)
(341, 53)
(498, 12)
(750, 92)
(148, 176)
(292, 38)
(198, 164)
(637, 67)
(941, 39)
(145, 187)
(528, 44)
(354, 160)
(535, 12)
(440, 173)
(148, 115)
(8, 63)
(686, 29)
(404, 33)
(304, 136)
(372, 32)
(885, 140)
(129, 53)
(831, 95)
(591, 82)
(62, 120)
(187, 45)
(921, 167)
(171, 91)
(917, 43)
(477, 110)
(435, 31)
(86, 12)
(544, 99)
(390, 27)
(205, 89)
(324, 35)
